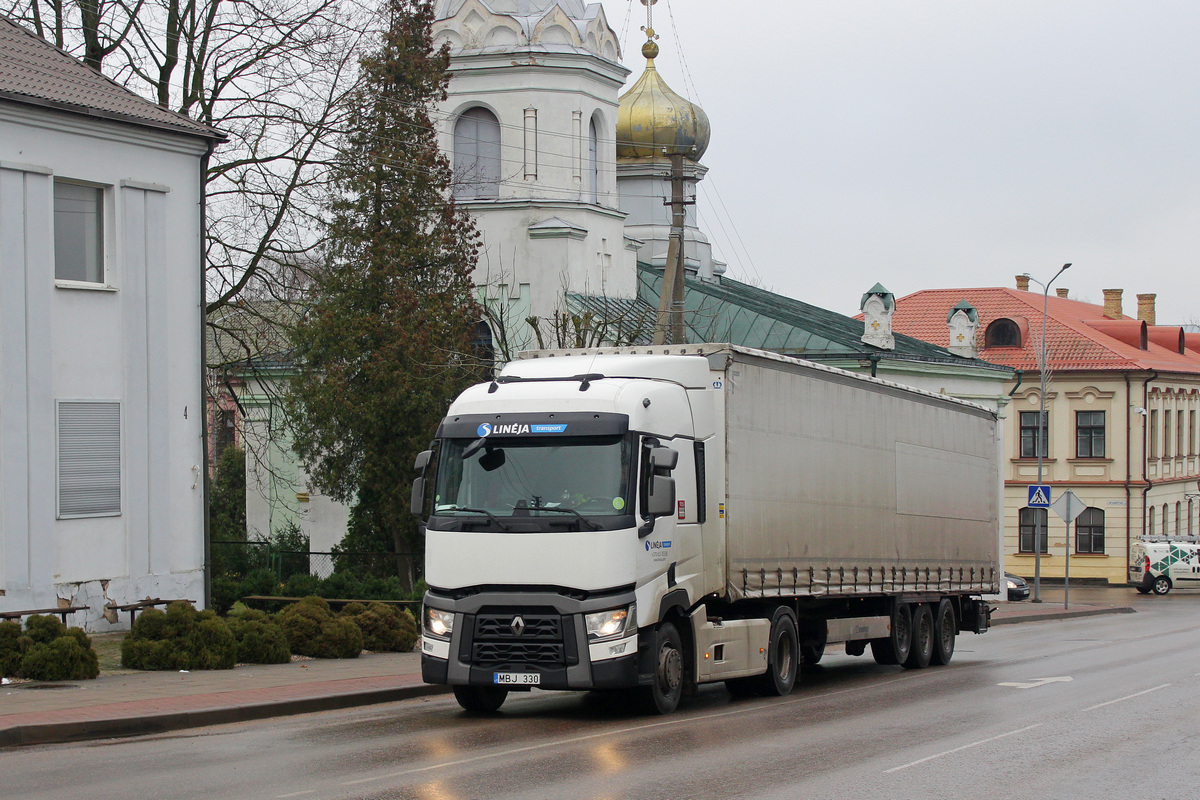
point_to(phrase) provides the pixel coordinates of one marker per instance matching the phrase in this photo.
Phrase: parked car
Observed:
(1018, 589)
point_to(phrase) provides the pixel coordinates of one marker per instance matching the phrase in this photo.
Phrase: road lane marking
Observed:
(1036, 682)
(1127, 697)
(296, 794)
(617, 732)
(960, 749)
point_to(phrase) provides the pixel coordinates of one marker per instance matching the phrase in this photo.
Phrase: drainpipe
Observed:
(204, 454)
(1145, 436)
(1020, 376)
(1128, 469)
(874, 364)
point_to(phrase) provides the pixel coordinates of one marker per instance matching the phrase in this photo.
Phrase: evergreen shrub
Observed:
(179, 638)
(313, 630)
(47, 650)
(384, 628)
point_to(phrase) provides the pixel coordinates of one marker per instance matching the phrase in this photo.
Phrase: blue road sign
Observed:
(1039, 496)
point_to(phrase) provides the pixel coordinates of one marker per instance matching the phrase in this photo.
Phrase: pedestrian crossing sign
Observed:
(1039, 496)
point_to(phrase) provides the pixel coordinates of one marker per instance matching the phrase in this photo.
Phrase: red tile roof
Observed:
(1078, 335)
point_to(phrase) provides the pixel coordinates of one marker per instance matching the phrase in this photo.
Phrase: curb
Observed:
(81, 730)
(1063, 614)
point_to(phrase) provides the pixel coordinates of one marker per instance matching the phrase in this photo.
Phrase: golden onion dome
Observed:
(652, 118)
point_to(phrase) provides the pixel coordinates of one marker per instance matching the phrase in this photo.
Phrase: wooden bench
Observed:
(62, 612)
(412, 605)
(141, 605)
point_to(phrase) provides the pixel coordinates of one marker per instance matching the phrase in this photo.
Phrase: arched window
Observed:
(1178, 518)
(1032, 521)
(1150, 521)
(1165, 524)
(1002, 333)
(483, 344)
(1190, 517)
(477, 155)
(1089, 531)
(593, 163)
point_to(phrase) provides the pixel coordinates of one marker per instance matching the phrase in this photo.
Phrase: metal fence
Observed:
(238, 559)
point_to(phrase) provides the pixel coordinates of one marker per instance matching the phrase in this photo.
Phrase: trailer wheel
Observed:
(662, 696)
(1161, 585)
(783, 658)
(480, 699)
(921, 651)
(894, 649)
(945, 632)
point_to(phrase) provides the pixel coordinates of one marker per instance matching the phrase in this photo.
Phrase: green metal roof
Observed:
(726, 310)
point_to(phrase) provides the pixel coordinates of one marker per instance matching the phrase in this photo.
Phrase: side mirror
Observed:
(416, 504)
(661, 500)
(664, 458)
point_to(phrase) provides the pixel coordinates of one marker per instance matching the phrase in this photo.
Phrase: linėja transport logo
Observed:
(517, 429)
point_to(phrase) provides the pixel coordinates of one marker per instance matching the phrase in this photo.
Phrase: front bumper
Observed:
(550, 642)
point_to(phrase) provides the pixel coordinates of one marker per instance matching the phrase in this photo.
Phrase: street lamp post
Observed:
(1039, 529)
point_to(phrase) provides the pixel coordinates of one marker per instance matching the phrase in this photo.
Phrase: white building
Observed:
(528, 126)
(101, 404)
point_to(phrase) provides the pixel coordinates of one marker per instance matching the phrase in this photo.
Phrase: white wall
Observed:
(134, 339)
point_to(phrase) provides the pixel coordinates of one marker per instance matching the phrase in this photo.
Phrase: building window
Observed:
(1031, 521)
(1029, 435)
(1089, 434)
(1002, 333)
(1152, 434)
(89, 458)
(78, 232)
(1150, 526)
(1166, 451)
(1166, 526)
(1191, 516)
(477, 155)
(1178, 518)
(1180, 449)
(1191, 433)
(225, 434)
(1089, 531)
(593, 163)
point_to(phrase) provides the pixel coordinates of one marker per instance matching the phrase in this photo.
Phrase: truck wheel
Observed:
(945, 632)
(922, 638)
(813, 647)
(783, 658)
(662, 696)
(1161, 585)
(894, 648)
(480, 699)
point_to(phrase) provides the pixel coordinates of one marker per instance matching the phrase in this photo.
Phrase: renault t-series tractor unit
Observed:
(651, 519)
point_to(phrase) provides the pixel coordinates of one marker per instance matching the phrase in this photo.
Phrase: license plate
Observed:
(517, 678)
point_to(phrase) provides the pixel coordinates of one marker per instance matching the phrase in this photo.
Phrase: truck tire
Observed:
(894, 649)
(945, 633)
(921, 651)
(813, 647)
(480, 699)
(662, 695)
(1161, 584)
(783, 658)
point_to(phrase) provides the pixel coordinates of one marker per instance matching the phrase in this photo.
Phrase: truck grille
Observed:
(527, 637)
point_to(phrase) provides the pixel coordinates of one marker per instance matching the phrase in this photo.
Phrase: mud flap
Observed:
(977, 616)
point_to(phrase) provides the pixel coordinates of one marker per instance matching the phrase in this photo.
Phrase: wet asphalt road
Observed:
(1098, 707)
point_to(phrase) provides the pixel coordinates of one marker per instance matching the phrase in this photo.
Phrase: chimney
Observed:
(1061, 293)
(1112, 303)
(1146, 308)
(1023, 283)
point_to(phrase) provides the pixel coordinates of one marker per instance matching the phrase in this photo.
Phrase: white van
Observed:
(1158, 564)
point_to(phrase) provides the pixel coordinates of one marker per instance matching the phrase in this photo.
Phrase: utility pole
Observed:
(668, 326)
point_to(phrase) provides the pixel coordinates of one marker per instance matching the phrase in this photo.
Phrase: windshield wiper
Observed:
(565, 510)
(484, 511)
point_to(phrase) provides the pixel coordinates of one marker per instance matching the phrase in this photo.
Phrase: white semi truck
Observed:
(652, 519)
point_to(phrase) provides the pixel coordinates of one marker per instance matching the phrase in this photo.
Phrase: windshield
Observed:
(546, 477)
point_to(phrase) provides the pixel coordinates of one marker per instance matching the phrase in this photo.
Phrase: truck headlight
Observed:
(439, 623)
(610, 624)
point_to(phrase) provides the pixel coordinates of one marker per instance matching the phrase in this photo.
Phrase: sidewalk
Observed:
(130, 703)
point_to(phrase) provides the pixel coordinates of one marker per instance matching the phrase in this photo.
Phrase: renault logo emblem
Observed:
(517, 626)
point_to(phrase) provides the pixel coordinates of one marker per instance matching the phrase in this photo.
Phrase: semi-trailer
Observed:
(656, 518)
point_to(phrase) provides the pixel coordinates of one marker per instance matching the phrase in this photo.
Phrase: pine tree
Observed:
(386, 344)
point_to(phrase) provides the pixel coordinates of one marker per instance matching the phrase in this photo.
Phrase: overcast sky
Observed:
(944, 143)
